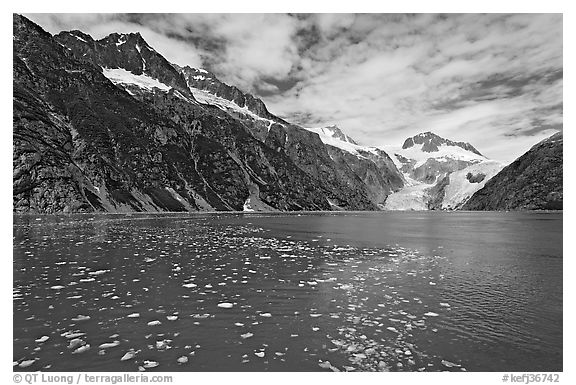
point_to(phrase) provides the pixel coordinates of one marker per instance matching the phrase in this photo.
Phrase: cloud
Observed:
(493, 80)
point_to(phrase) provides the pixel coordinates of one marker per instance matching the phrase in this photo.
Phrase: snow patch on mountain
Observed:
(122, 76)
(226, 105)
(444, 153)
(328, 136)
(78, 37)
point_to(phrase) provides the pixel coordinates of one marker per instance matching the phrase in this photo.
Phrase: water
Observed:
(391, 291)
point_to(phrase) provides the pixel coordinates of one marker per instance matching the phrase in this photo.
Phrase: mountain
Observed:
(124, 51)
(82, 143)
(439, 173)
(307, 151)
(333, 132)
(372, 165)
(111, 125)
(342, 187)
(432, 143)
(531, 182)
(426, 157)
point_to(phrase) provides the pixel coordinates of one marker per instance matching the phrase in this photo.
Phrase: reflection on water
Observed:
(341, 292)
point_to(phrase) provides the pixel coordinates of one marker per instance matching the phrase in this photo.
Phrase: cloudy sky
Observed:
(492, 80)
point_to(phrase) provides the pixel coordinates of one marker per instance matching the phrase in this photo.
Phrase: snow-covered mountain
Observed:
(440, 173)
(426, 157)
(333, 132)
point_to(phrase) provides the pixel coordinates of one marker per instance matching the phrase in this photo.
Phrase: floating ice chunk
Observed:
(71, 334)
(247, 335)
(267, 315)
(154, 323)
(431, 314)
(57, 287)
(392, 329)
(225, 305)
(133, 315)
(164, 344)
(260, 354)
(190, 285)
(325, 365)
(182, 360)
(444, 304)
(82, 349)
(129, 355)
(42, 339)
(315, 315)
(449, 364)
(239, 324)
(81, 317)
(172, 317)
(150, 364)
(99, 272)
(26, 363)
(74, 343)
(108, 345)
(315, 328)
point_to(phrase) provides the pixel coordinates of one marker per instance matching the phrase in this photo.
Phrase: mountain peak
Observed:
(127, 51)
(335, 132)
(431, 142)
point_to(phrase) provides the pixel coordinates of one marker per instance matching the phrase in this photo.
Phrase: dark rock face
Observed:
(307, 151)
(477, 178)
(433, 169)
(431, 142)
(531, 182)
(437, 193)
(83, 144)
(304, 148)
(344, 186)
(377, 172)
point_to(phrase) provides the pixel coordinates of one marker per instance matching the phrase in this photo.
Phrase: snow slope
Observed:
(122, 76)
(206, 97)
(443, 154)
(412, 197)
(330, 137)
(459, 190)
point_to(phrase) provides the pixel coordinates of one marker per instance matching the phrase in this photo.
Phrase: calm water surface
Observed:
(391, 291)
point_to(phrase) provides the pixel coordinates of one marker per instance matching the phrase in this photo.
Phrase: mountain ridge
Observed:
(111, 125)
(534, 181)
(285, 168)
(431, 142)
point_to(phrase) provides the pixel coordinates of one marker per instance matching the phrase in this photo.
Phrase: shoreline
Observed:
(278, 213)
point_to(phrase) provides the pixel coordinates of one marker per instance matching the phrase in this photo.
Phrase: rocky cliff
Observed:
(531, 182)
(81, 143)
(111, 125)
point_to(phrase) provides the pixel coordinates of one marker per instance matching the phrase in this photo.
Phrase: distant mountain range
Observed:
(110, 125)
